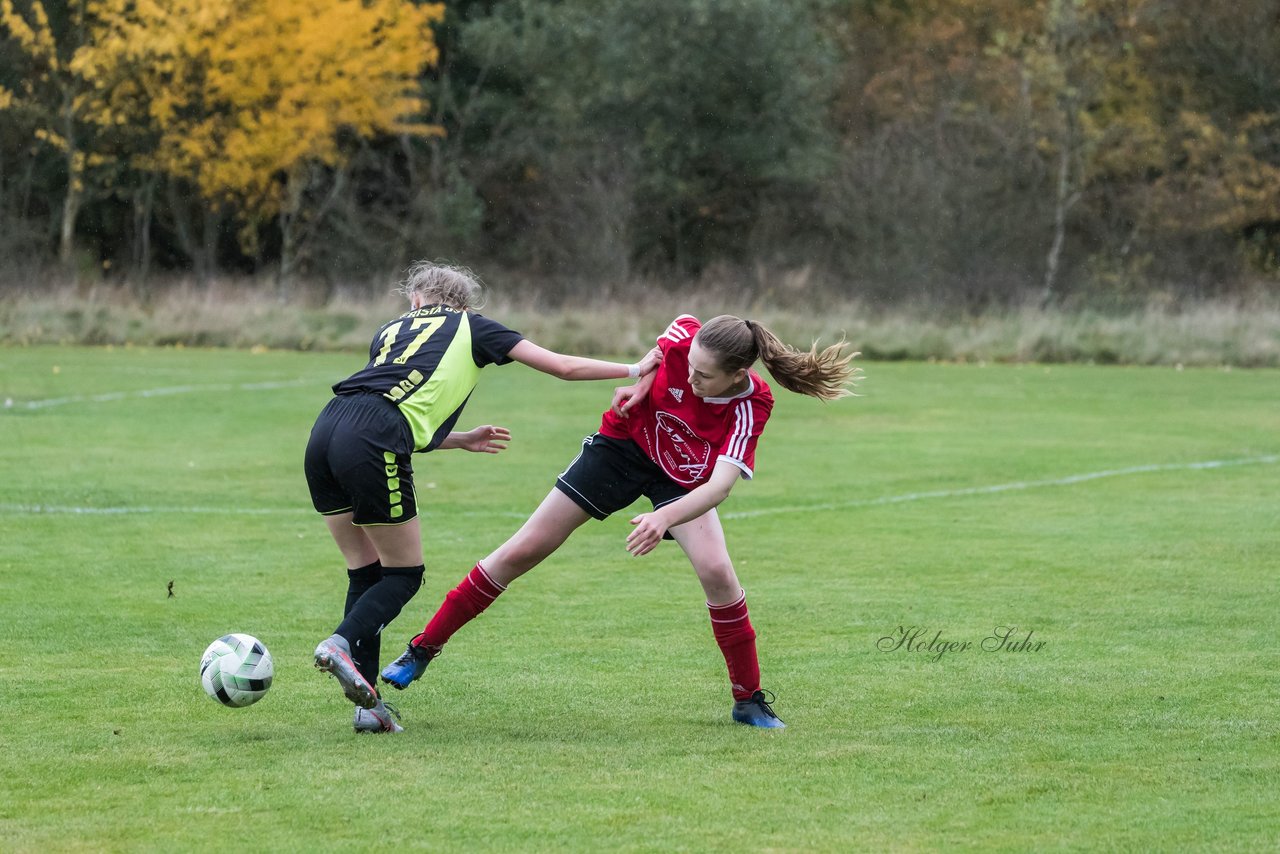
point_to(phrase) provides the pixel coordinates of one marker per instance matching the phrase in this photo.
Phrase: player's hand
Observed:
(626, 397)
(646, 535)
(486, 439)
(650, 361)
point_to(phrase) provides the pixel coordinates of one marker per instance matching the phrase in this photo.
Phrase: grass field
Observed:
(1126, 518)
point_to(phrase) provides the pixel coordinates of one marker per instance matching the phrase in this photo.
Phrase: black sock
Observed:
(364, 651)
(359, 581)
(375, 608)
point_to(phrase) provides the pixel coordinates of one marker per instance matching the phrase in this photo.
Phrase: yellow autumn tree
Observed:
(250, 99)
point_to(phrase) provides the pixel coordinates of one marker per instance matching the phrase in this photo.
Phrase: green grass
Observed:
(588, 709)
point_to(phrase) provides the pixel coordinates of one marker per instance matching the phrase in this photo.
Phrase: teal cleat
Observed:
(757, 712)
(409, 666)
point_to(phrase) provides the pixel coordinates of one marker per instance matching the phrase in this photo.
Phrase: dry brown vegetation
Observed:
(621, 319)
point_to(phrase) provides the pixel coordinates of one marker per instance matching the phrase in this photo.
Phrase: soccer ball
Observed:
(236, 670)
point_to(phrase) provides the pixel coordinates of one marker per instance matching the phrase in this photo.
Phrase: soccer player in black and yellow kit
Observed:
(422, 369)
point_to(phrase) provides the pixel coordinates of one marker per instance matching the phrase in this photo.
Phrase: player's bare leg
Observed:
(545, 531)
(355, 545)
(703, 542)
(393, 545)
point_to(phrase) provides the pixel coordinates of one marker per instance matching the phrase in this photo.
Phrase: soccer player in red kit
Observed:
(682, 437)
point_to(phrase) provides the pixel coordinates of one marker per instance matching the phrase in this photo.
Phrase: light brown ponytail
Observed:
(738, 343)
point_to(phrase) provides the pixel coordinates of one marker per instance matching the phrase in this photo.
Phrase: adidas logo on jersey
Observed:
(677, 393)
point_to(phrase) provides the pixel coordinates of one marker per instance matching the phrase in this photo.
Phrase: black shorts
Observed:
(610, 473)
(358, 461)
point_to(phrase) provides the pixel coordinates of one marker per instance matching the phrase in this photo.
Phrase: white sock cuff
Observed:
(742, 597)
(488, 577)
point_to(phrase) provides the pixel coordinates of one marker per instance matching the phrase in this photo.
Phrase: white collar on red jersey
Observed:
(750, 390)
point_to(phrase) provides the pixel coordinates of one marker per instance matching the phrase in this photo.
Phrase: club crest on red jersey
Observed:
(682, 453)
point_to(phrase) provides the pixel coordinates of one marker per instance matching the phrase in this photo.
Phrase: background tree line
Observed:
(956, 151)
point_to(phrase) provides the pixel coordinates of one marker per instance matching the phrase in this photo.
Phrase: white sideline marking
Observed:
(1002, 487)
(156, 392)
(1269, 459)
(121, 511)
(65, 510)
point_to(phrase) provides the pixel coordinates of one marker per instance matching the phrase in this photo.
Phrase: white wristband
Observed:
(633, 371)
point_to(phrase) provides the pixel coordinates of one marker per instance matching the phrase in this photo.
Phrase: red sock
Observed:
(462, 605)
(737, 639)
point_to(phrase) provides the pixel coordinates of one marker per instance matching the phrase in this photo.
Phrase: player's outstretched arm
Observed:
(568, 367)
(486, 439)
(649, 527)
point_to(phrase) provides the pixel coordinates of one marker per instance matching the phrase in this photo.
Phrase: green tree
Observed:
(669, 122)
(59, 103)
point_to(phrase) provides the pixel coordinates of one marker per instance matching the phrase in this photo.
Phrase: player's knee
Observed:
(407, 579)
(718, 575)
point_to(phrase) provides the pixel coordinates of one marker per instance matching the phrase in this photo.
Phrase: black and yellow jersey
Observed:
(427, 363)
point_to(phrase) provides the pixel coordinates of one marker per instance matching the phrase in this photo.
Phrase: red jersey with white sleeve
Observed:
(683, 433)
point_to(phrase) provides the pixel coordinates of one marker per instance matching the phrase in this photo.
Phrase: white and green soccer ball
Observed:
(236, 670)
